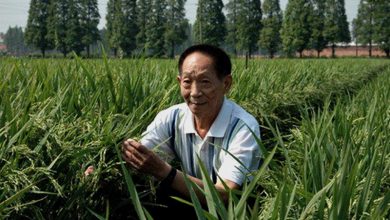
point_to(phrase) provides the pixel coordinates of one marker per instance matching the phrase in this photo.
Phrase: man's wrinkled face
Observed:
(200, 86)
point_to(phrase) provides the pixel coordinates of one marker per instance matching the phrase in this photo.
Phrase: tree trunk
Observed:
(246, 60)
(88, 52)
(43, 52)
(356, 45)
(300, 54)
(370, 49)
(387, 53)
(172, 55)
(64, 51)
(115, 51)
(318, 53)
(333, 50)
(271, 54)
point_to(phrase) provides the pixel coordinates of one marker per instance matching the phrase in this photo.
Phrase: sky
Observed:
(15, 12)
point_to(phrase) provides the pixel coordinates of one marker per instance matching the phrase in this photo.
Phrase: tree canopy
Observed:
(36, 33)
(14, 40)
(296, 29)
(159, 28)
(336, 24)
(209, 26)
(272, 23)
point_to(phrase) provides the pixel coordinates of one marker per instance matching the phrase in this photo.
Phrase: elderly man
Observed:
(207, 125)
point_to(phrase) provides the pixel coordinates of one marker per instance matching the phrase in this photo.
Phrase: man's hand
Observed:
(144, 160)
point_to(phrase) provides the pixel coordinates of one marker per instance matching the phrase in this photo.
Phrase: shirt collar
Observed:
(218, 128)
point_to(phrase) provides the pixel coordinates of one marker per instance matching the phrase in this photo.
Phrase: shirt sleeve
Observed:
(244, 154)
(158, 135)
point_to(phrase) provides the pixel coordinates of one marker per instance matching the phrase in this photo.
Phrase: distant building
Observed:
(3, 47)
(348, 50)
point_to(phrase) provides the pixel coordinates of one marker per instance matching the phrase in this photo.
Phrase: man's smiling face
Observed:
(200, 86)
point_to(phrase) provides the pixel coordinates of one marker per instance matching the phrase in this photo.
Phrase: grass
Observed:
(328, 122)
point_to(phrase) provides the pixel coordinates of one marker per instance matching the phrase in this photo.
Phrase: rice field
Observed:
(325, 136)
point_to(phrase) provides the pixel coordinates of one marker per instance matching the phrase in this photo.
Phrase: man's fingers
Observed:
(137, 145)
(130, 143)
(132, 160)
(141, 148)
(133, 154)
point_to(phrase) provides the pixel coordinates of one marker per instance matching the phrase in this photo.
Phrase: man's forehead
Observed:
(200, 73)
(198, 58)
(197, 63)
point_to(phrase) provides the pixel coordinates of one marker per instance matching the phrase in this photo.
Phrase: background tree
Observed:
(155, 29)
(248, 25)
(272, 23)
(58, 25)
(14, 40)
(190, 39)
(113, 24)
(364, 24)
(209, 26)
(354, 34)
(104, 40)
(75, 31)
(129, 27)
(89, 21)
(318, 41)
(336, 24)
(382, 25)
(36, 33)
(231, 24)
(176, 25)
(143, 9)
(296, 30)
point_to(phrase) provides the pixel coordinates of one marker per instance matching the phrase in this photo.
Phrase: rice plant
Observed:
(57, 117)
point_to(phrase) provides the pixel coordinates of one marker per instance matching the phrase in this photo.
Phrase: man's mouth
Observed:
(198, 103)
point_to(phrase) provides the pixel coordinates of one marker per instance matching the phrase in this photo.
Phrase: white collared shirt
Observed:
(229, 139)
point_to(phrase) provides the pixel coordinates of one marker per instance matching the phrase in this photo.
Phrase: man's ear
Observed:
(178, 78)
(228, 81)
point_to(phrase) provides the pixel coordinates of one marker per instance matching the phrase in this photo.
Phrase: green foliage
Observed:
(14, 40)
(122, 26)
(89, 21)
(143, 8)
(75, 30)
(317, 40)
(36, 33)
(244, 24)
(231, 24)
(57, 117)
(176, 25)
(58, 25)
(364, 24)
(129, 28)
(336, 24)
(113, 24)
(272, 23)
(71, 121)
(72, 25)
(296, 29)
(382, 25)
(155, 28)
(209, 26)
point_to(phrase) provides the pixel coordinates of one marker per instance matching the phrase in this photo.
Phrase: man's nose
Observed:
(195, 90)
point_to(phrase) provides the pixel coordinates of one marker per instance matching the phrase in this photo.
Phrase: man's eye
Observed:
(186, 81)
